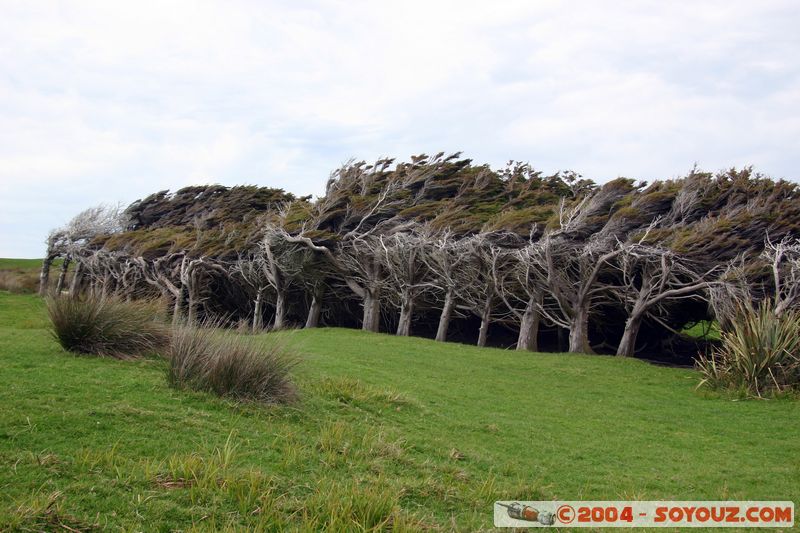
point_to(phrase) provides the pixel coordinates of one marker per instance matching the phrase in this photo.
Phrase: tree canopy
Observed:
(439, 240)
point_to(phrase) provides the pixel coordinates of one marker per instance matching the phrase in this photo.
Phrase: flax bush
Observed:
(760, 353)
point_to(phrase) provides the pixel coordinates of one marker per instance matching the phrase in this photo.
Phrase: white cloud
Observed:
(108, 101)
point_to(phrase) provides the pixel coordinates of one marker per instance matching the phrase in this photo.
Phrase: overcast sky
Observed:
(110, 101)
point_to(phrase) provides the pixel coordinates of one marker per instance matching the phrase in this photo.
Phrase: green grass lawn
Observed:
(390, 431)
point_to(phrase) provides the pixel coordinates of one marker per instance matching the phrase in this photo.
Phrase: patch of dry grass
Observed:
(207, 359)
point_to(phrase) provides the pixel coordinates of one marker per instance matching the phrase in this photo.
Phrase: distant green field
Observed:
(20, 264)
(390, 430)
(704, 330)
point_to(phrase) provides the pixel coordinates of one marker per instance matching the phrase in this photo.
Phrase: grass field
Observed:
(390, 431)
(21, 264)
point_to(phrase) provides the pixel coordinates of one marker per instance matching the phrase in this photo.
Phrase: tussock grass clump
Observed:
(108, 327)
(208, 359)
(760, 354)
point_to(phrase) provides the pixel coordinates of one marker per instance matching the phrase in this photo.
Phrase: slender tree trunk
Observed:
(44, 275)
(406, 310)
(176, 310)
(62, 275)
(74, 287)
(372, 312)
(627, 345)
(579, 331)
(483, 332)
(280, 310)
(314, 311)
(529, 328)
(257, 318)
(192, 306)
(444, 318)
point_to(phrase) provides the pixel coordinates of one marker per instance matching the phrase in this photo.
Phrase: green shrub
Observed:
(208, 359)
(759, 354)
(107, 326)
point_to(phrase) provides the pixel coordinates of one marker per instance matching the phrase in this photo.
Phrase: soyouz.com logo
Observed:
(644, 514)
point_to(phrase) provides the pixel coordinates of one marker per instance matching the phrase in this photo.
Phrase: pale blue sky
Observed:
(110, 101)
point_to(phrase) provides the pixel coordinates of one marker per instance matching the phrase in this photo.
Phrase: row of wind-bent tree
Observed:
(561, 277)
(407, 243)
(273, 270)
(71, 241)
(568, 284)
(544, 279)
(102, 273)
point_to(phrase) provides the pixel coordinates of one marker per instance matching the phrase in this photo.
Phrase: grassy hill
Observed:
(390, 431)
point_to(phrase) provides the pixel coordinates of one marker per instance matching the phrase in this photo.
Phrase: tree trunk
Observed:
(579, 331)
(372, 312)
(44, 275)
(257, 318)
(406, 309)
(280, 310)
(529, 328)
(75, 286)
(62, 275)
(176, 310)
(192, 306)
(483, 332)
(444, 318)
(627, 345)
(312, 321)
(192, 284)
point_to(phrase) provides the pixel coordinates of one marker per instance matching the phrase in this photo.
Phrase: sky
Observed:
(106, 102)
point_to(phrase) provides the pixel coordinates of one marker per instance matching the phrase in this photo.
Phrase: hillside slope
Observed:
(399, 430)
